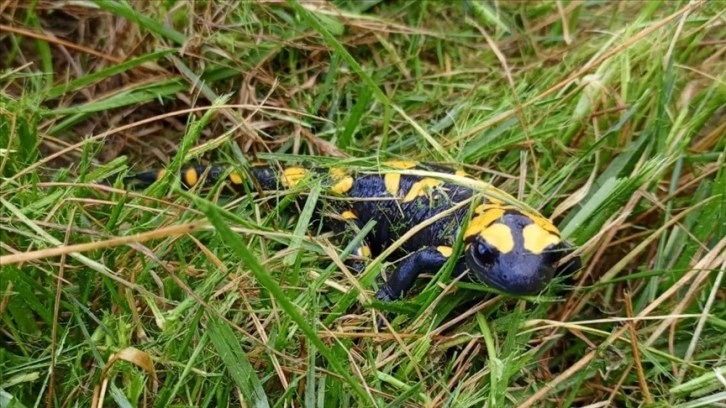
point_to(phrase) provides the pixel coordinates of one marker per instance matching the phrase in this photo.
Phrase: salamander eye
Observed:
(485, 254)
(481, 257)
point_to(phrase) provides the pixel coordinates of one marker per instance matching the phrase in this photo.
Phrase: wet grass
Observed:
(607, 116)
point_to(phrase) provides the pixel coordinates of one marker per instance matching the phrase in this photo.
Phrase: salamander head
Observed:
(514, 251)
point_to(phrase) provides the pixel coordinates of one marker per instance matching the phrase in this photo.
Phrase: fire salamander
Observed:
(506, 247)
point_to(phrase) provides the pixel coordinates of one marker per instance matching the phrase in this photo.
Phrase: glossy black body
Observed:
(366, 195)
(369, 200)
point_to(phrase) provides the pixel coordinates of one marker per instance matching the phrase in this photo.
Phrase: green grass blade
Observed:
(372, 85)
(346, 137)
(238, 246)
(236, 362)
(125, 10)
(90, 79)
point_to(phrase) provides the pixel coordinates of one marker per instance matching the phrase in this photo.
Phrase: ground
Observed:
(607, 116)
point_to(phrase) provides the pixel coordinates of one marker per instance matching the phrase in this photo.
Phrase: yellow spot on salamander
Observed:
(401, 164)
(160, 174)
(482, 208)
(235, 178)
(461, 173)
(543, 223)
(493, 191)
(292, 176)
(393, 183)
(445, 250)
(537, 239)
(343, 182)
(191, 177)
(499, 236)
(363, 251)
(480, 222)
(421, 188)
(337, 173)
(349, 215)
(342, 186)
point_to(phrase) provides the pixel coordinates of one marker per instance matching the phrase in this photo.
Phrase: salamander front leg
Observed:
(426, 260)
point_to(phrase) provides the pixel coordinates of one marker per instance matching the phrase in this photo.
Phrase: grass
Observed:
(609, 116)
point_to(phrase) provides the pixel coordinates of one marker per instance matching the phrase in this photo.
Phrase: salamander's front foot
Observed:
(384, 294)
(425, 260)
(357, 266)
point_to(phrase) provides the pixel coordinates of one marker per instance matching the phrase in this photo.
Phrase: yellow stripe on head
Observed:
(482, 221)
(482, 208)
(499, 236)
(401, 164)
(292, 176)
(537, 239)
(543, 223)
(191, 177)
(421, 188)
(493, 191)
(393, 183)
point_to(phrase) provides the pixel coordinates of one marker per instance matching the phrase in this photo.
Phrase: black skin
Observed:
(515, 273)
(394, 218)
(425, 260)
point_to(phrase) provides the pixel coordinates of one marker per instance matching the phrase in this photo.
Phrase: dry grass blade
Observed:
(109, 243)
